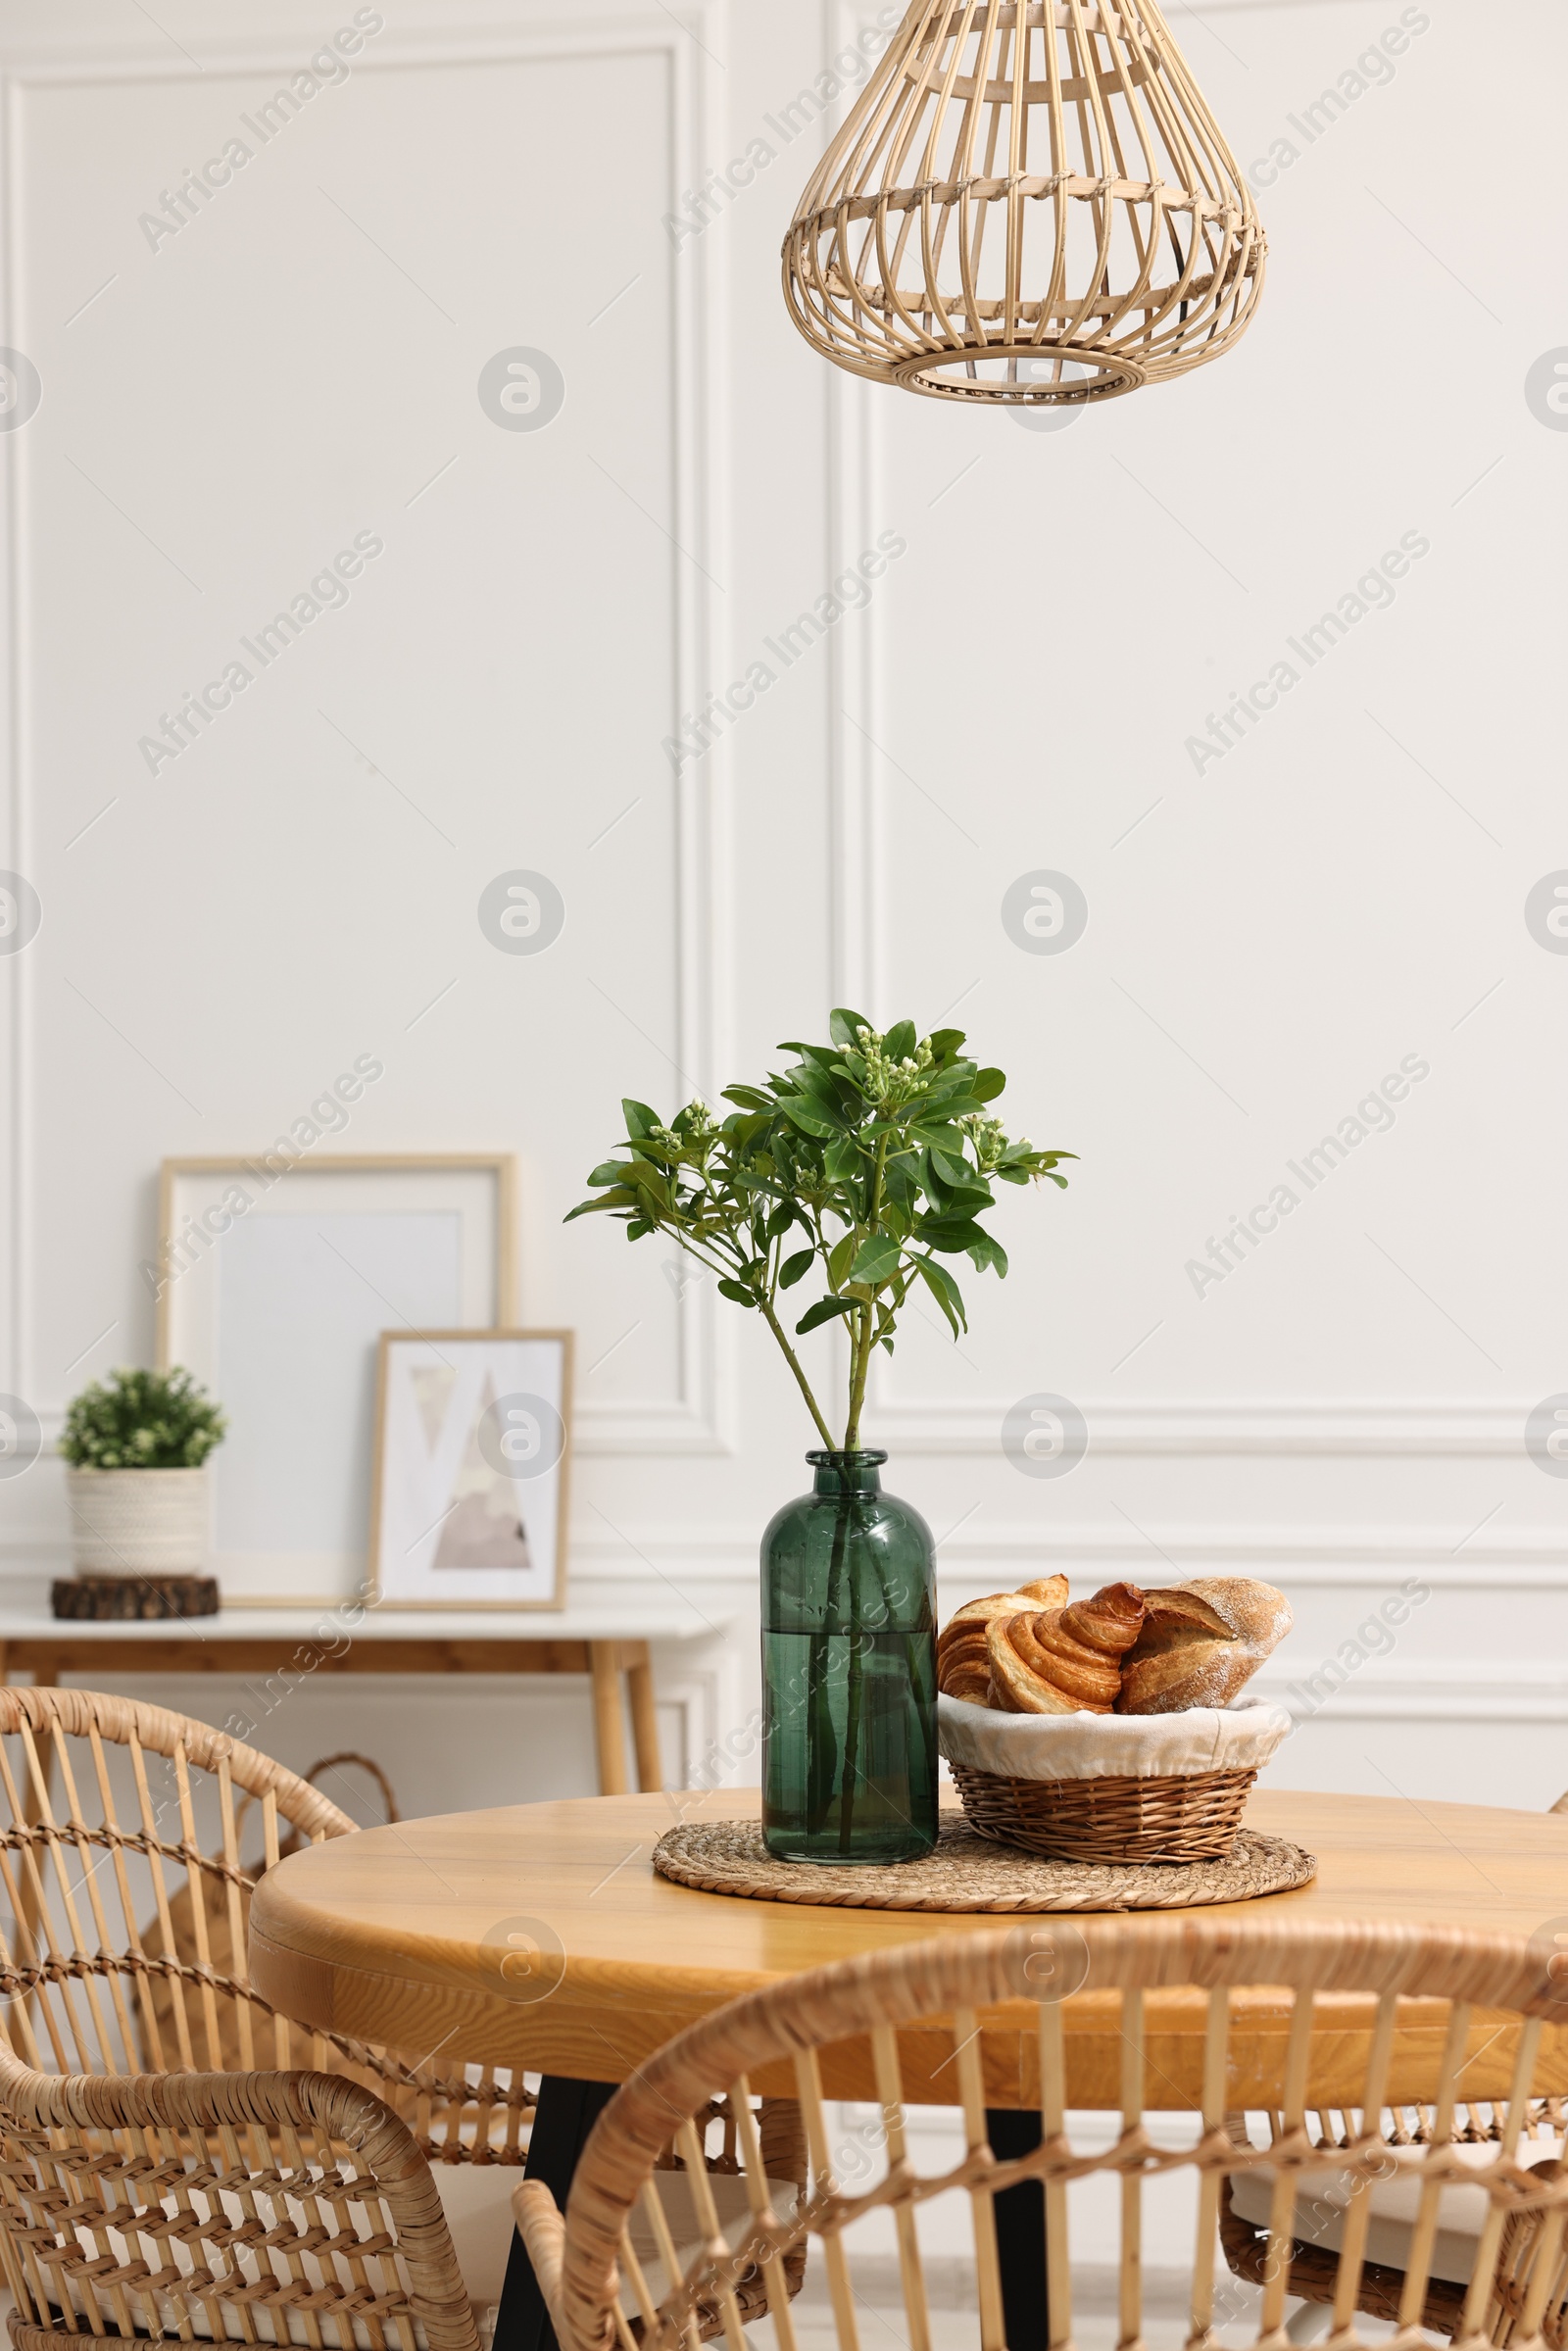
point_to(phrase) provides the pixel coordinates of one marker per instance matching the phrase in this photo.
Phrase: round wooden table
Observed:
(538, 1936)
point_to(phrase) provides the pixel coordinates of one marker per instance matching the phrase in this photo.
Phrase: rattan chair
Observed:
(1355, 2017)
(1316, 2250)
(152, 2179)
(1321, 2220)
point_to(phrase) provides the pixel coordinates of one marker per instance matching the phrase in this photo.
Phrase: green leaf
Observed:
(621, 1198)
(844, 1027)
(648, 1179)
(964, 1199)
(843, 1161)
(609, 1171)
(901, 1190)
(901, 1041)
(808, 1116)
(839, 1258)
(640, 1120)
(944, 1290)
(939, 1137)
(806, 1078)
(952, 1234)
(783, 1216)
(987, 1083)
(877, 1260)
(987, 1251)
(748, 1097)
(823, 1311)
(738, 1292)
(945, 1043)
(795, 1269)
(822, 1056)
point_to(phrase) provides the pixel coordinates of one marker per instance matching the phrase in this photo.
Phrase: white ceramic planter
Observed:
(129, 1521)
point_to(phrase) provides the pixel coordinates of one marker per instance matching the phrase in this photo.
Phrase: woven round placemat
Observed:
(970, 1872)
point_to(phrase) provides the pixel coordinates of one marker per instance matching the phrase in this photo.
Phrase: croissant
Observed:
(1201, 1642)
(964, 1665)
(1064, 1660)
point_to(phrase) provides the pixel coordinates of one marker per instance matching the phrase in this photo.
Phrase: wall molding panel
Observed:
(699, 1418)
(1161, 1427)
(1395, 1429)
(1411, 1429)
(1439, 1691)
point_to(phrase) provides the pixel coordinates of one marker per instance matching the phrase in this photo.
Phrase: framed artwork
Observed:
(274, 1279)
(473, 1439)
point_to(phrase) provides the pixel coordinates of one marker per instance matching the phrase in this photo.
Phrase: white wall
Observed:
(1346, 888)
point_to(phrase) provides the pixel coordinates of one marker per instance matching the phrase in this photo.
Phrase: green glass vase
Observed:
(848, 1672)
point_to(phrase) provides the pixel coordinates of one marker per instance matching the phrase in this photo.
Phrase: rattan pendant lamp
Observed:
(1030, 203)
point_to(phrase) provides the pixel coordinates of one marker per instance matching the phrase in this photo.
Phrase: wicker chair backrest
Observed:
(124, 1905)
(126, 1895)
(1136, 2015)
(165, 2165)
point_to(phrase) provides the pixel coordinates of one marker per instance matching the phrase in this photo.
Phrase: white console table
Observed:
(311, 1640)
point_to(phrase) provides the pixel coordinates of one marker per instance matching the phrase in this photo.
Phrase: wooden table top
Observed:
(399, 1934)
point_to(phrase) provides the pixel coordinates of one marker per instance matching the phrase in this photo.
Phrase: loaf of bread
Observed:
(1200, 1642)
(1064, 1660)
(963, 1664)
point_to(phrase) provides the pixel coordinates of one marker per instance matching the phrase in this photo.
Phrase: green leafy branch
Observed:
(873, 1158)
(142, 1420)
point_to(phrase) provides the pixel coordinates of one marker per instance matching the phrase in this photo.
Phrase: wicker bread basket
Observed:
(1109, 1787)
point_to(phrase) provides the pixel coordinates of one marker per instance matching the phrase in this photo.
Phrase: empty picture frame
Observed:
(472, 1439)
(274, 1280)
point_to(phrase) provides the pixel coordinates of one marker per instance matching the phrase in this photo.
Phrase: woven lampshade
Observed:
(1030, 203)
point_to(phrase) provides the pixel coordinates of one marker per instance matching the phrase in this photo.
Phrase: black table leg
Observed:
(1021, 2232)
(566, 2112)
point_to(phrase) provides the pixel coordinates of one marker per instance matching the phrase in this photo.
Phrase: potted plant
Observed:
(136, 1486)
(868, 1164)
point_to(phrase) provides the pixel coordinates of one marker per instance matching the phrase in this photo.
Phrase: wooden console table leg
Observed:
(644, 1719)
(609, 1737)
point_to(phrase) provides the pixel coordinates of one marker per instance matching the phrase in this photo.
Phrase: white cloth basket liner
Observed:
(1109, 1746)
